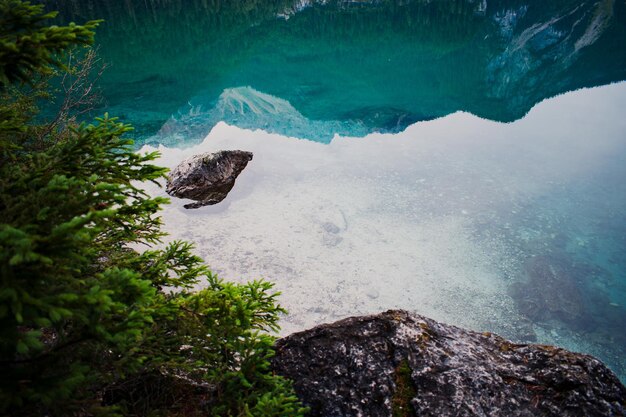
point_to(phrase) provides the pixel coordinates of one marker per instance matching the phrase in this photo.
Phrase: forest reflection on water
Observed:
(323, 67)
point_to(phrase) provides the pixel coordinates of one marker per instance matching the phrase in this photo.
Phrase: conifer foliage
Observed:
(89, 325)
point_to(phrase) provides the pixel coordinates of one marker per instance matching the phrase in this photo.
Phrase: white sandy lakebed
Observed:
(329, 227)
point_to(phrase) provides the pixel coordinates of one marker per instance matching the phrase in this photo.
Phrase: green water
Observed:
(344, 67)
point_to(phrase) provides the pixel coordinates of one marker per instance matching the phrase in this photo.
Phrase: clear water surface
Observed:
(447, 157)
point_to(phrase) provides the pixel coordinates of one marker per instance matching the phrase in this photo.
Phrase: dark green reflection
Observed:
(316, 69)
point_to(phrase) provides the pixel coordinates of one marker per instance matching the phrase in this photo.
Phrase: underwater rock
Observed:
(207, 178)
(400, 363)
(551, 292)
(331, 227)
(331, 236)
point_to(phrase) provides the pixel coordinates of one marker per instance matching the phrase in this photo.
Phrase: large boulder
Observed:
(207, 178)
(402, 364)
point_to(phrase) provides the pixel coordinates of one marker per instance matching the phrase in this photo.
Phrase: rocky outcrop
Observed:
(402, 364)
(207, 178)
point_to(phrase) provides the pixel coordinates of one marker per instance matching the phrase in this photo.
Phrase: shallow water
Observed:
(400, 198)
(512, 228)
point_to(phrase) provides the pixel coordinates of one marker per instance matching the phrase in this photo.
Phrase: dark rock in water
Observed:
(401, 364)
(551, 292)
(207, 178)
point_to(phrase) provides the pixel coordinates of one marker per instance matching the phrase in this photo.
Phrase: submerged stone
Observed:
(398, 363)
(551, 292)
(207, 178)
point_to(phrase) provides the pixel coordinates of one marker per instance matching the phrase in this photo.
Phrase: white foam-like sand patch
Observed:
(389, 221)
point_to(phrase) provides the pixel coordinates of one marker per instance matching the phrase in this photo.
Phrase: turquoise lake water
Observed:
(552, 194)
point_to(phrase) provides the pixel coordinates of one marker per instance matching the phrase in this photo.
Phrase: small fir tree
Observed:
(87, 324)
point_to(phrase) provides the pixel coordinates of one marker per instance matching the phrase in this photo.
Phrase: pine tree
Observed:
(88, 324)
